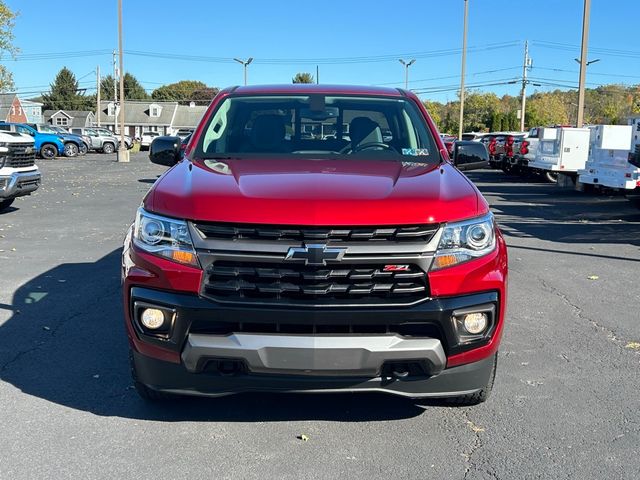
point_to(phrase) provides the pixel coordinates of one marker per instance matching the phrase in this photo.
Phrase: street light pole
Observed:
(464, 59)
(406, 71)
(244, 64)
(583, 62)
(123, 153)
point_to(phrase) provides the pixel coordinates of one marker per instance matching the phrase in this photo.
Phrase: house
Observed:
(33, 111)
(11, 109)
(165, 118)
(70, 118)
(187, 116)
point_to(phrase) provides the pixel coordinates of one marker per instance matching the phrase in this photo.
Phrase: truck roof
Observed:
(311, 88)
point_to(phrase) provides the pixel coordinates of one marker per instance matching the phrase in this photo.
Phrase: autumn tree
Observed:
(181, 92)
(303, 77)
(7, 18)
(203, 96)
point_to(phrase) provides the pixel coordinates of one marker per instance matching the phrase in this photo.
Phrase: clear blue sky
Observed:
(279, 34)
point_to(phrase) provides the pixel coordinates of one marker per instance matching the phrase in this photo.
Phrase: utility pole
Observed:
(115, 82)
(123, 153)
(98, 95)
(464, 59)
(406, 71)
(583, 62)
(244, 64)
(317, 74)
(525, 67)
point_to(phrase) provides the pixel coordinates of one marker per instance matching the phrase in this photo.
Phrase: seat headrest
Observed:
(267, 132)
(362, 128)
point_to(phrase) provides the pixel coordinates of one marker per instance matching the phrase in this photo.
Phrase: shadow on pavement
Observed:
(548, 212)
(65, 343)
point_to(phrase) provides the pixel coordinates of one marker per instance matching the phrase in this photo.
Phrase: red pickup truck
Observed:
(271, 259)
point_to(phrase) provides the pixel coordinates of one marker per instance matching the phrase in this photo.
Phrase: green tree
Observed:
(64, 93)
(7, 18)
(303, 77)
(435, 110)
(478, 110)
(181, 92)
(133, 89)
(548, 108)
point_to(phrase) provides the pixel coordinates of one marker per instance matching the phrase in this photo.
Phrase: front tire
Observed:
(71, 150)
(4, 204)
(551, 177)
(108, 148)
(481, 395)
(83, 149)
(48, 151)
(146, 393)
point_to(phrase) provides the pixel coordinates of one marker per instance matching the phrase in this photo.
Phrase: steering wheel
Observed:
(367, 146)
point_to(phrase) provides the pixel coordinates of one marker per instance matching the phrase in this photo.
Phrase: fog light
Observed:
(475, 323)
(152, 318)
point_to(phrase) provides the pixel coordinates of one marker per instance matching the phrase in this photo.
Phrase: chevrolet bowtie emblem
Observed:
(315, 254)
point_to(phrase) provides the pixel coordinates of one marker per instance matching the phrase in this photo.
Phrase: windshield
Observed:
(46, 129)
(318, 125)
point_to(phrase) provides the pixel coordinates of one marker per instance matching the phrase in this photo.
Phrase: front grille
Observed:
(340, 284)
(29, 183)
(17, 157)
(407, 329)
(414, 233)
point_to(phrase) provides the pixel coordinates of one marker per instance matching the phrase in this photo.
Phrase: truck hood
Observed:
(15, 137)
(315, 192)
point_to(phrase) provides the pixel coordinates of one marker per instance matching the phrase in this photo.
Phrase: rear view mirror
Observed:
(469, 155)
(165, 151)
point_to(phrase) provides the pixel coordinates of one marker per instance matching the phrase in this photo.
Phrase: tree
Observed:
(133, 89)
(303, 77)
(64, 93)
(181, 92)
(435, 111)
(7, 18)
(204, 95)
(546, 108)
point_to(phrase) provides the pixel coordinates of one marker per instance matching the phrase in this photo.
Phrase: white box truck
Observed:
(614, 157)
(561, 151)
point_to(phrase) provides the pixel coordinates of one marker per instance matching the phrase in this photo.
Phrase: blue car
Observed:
(74, 145)
(48, 145)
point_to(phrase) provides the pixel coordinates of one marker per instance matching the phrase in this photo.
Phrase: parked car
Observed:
(448, 141)
(184, 132)
(73, 144)
(47, 145)
(100, 140)
(146, 139)
(19, 174)
(128, 141)
(271, 262)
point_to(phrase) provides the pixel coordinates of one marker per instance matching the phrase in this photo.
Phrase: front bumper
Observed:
(19, 184)
(239, 359)
(175, 378)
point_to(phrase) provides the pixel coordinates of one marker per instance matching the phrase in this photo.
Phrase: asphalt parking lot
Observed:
(566, 403)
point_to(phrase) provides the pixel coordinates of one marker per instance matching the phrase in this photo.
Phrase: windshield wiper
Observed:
(220, 157)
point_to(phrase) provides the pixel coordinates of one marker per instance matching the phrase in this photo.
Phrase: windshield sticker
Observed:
(416, 152)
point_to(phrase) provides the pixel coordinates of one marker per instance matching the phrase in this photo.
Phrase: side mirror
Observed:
(469, 155)
(165, 151)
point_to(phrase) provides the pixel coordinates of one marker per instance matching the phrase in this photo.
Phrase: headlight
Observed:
(166, 237)
(463, 241)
